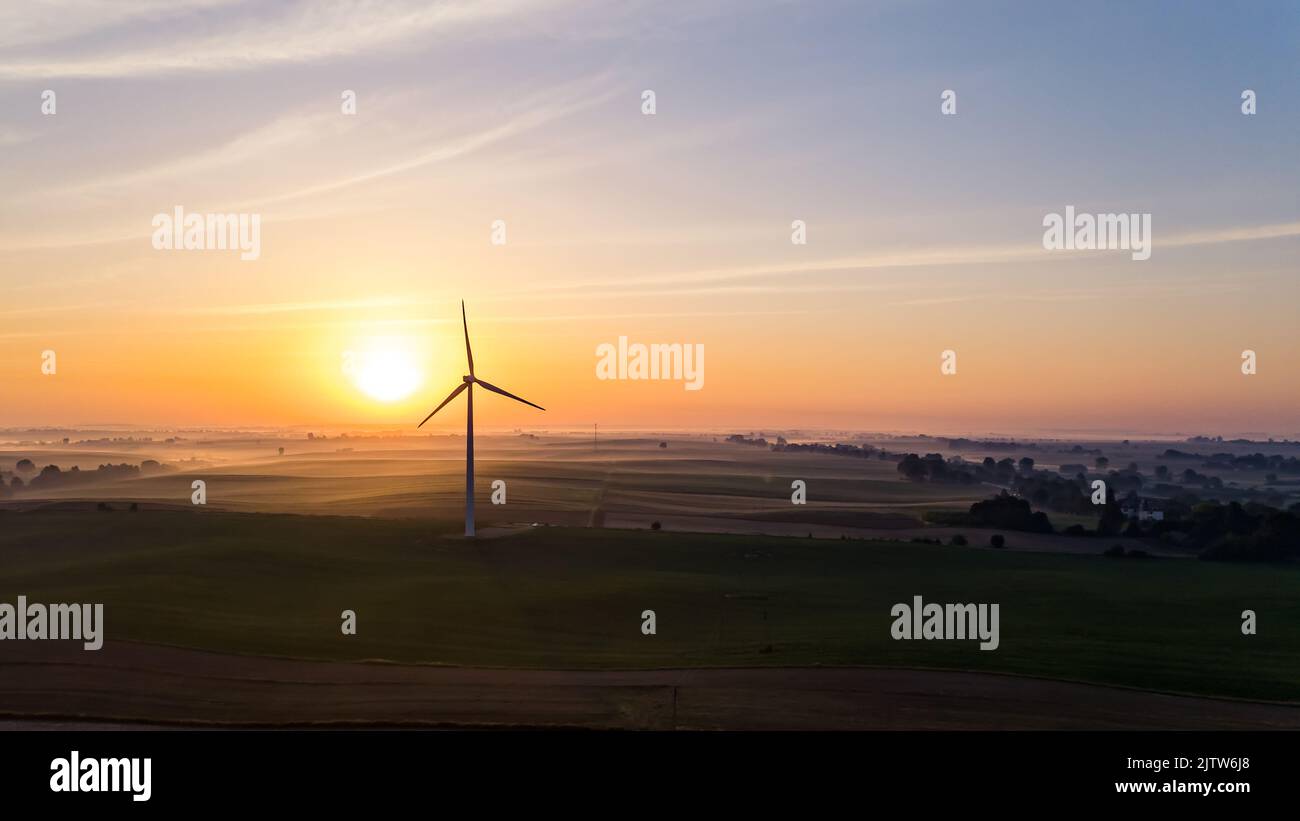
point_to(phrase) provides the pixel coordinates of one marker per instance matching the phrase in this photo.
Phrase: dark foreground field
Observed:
(131, 684)
(570, 599)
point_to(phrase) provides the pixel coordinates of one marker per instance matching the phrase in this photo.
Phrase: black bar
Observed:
(331, 769)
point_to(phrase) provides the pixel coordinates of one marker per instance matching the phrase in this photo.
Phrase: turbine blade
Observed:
(468, 353)
(451, 396)
(495, 389)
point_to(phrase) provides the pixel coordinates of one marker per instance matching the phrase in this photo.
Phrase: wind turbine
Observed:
(467, 383)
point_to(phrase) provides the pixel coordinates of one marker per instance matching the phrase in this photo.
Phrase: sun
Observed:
(385, 370)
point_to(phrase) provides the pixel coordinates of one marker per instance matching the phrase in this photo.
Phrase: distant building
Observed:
(1144, 510)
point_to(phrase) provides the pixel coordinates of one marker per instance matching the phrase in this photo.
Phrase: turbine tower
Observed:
(467, 383)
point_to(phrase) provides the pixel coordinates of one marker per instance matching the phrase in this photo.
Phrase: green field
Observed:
(571, 598)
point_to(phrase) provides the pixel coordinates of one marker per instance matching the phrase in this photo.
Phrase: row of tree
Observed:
(1233, 531)
(52, 476)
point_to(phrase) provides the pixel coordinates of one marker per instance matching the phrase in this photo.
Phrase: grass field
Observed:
(571, 598)
(558, 480)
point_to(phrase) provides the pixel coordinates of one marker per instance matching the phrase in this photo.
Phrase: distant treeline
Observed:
(1216, 532)
(991, 444)
(52, 476)
(1021, 476)
(962, 472)
(781, 445)
(1254, 461)
(934, 468)
(1219, 440)
(1229, 461)
(860, 452)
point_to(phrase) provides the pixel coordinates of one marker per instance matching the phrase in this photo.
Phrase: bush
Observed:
(1115, 551)
(997, 540)
(1009, 512)
(655, 525)
(959, 540)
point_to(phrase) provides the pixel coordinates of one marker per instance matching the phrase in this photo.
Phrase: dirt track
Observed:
(146, 684)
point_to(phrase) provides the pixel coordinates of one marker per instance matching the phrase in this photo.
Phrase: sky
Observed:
(924, 230)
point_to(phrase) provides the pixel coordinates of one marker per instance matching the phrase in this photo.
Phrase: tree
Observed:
(1009, 512)
(1026, 465)
(997, 540)
(25, 466)
(1112, 520)
(50, 476)
(1102, 462)
(912, 467)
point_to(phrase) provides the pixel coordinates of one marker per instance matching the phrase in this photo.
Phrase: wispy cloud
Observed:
(1237, 234)
(510, 319)
(279, 135)
(185, 40)
(262, 308)
(11, 136)
(50, 309)
(1125, 290)
(280, 139)
(531, 115)
(36, 22)
(911, 258)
